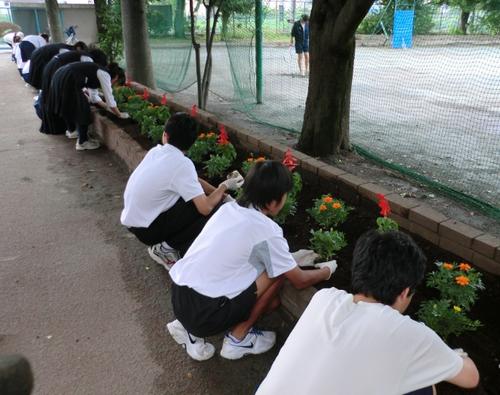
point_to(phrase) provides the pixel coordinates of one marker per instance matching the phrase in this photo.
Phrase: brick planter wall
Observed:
(473, 245)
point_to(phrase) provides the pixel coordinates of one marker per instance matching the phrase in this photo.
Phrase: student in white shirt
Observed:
(361, 343)
(26, 47)
(166, 205)
(233, 271)
(13, 39)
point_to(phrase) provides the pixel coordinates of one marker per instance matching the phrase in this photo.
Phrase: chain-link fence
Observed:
(425, 96)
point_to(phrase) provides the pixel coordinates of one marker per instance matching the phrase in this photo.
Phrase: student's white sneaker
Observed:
(87, 145)
(71, 135)
(164, 256)
(255, 342)
(196, 347)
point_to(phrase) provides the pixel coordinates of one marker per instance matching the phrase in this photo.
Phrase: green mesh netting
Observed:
(425, 100)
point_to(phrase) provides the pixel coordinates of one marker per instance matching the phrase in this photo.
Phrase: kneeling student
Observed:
(361, 343)
(233, 271)
(166, 204)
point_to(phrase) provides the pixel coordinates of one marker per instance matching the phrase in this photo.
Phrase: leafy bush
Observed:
(326, 243)
(290, 206)
(329, 212)
(458, 285)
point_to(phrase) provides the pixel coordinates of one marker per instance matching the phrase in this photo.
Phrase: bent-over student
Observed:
(234, 270)
(26, 47)
(166, 205)
(67, 100)
(361, 343)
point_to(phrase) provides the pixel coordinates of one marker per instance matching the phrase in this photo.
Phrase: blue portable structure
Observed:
(404, 16)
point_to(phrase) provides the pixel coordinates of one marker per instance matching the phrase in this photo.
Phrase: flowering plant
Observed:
(289, 160)
(202, 147)
(384, 223)
(290, 206)
(458, 285)
(250, 161)
(326, 243)
(329, 212)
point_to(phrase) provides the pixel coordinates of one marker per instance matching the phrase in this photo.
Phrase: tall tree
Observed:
(135, 36)
(54, 21)
(333, 24)
(100, 7)
(230, 7)
(466, 8)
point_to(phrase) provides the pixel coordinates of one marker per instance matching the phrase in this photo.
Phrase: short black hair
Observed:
(116, 71)
(304, 18)
(80, 45)
(99, 57)
(45, 36)
(267, 181)
(384, 264)
(181, 130)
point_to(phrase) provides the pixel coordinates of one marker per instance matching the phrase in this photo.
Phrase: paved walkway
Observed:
(78, 295)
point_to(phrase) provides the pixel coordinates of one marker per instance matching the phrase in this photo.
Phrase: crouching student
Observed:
(233, 271)
(166, 204)
(361, 343)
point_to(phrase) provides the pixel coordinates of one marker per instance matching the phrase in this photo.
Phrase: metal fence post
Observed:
(258, 50)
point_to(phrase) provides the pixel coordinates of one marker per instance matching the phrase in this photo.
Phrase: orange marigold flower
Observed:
(211, 134)
(322, 207)
(260, 159)
(462, 280)
(250, 160)
(447, 266)
(201, 136)
(336, 205)
(328, 199)
(465, 267)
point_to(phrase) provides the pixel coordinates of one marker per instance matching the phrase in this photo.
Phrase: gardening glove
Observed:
(124, 115)
(461, 352)
(305, 257)
(234, 181)
(331, 265)
(228, 199)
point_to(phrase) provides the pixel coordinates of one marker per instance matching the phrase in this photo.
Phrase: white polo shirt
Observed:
(164, 175)
(340, 347)
(234, 248)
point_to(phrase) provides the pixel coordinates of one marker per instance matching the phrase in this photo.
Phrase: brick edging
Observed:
(473, 245)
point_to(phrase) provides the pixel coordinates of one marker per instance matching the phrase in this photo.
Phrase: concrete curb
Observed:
(473, 245)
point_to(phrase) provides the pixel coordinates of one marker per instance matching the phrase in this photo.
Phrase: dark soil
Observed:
(483, 346)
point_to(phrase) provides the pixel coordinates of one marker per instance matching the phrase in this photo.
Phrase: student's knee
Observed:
(263, 283)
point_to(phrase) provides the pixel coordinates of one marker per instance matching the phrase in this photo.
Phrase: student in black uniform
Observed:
(67, 99)
(41, 56)
(51, 123)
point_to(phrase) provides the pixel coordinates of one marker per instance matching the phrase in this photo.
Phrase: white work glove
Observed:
(234, 181)
(461, 352)
(331, 265)
(305, 257)
(124, 115)
(228, 199)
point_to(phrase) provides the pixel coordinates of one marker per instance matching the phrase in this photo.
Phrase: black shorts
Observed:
(301, 47)
(203, 316)
(422, 391)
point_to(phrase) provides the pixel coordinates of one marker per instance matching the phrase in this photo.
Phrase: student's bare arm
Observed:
(207, 187)
(303, 278)
(205, 204)
(468, 376)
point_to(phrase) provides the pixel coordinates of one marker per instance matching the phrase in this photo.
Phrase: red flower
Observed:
(163, 101)
(223, 137)
(194, 110)
(145, 94)
(385, 209)
(289, 160)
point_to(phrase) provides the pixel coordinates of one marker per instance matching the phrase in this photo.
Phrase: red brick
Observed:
(403, 223)
(486, 263)
(252, 143)
(312, 165)
(370, 191)
(458, 232)
(278, 151)
(424, 232)
(266, 146)
(330, 172)
(456, 248)
(400, 205)
(486, 245)
(351, 181)
(426, 217)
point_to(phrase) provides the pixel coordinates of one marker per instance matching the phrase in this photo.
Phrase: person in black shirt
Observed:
(300, 33)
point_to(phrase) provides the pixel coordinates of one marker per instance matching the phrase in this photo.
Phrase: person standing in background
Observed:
(300, 33)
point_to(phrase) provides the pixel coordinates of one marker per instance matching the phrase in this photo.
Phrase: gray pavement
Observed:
(78, 295)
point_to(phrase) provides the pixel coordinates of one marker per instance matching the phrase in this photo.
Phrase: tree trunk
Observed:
(179, 22)
(325, 129)
(100, 11)
(54, 20)
(464, 19)
(135, 36)
(225, 23)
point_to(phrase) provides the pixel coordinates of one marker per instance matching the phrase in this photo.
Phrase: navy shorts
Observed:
(301, 47)
(422, 391)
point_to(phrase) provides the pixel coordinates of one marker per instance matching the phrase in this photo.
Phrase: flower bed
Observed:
(319, 198)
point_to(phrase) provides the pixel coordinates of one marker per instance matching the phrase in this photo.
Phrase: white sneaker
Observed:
(196, 347)
(89, 144)
(164, 256)
(71, 135)
(255, 342)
